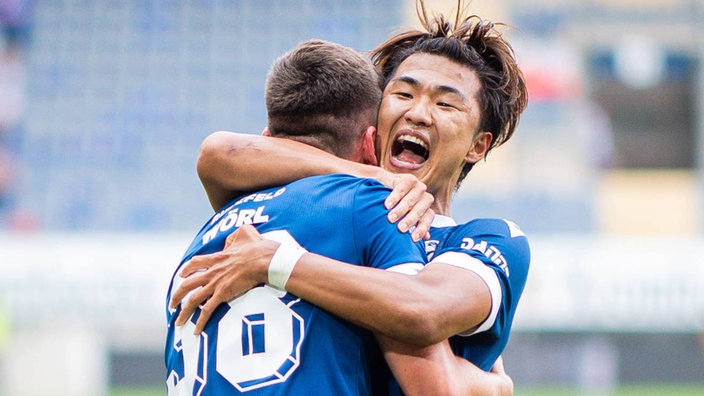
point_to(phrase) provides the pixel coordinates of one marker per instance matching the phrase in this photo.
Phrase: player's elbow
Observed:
(428, 332)
(210, 149)
(419, 324)
(215, 170)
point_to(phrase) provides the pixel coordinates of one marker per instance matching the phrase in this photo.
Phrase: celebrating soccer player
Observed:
(270, 341)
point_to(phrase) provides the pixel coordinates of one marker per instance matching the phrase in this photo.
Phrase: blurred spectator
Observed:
(15, 20)
(16, 24)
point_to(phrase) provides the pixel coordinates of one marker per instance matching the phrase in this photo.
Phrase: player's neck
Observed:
(442, 204)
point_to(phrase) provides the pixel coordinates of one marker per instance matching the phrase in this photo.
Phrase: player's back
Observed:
(269, 342)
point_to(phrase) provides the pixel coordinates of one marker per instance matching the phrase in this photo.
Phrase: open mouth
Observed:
(410, 150)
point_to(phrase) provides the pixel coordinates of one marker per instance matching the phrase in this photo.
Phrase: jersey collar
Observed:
(440, 221)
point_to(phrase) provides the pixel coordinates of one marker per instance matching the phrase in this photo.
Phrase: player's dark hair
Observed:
(323, 94)
(473, 42)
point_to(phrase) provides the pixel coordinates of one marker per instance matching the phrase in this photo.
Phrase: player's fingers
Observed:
(189, 306)
(186, 287)
(402, 185)
(394, 198)
(198, 263)
(206, 311)
(422, 230)
(408, 210)
(398, 212)
(182, 317)
(416, 213)
(187, 310)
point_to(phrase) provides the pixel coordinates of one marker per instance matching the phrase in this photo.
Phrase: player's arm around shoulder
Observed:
(478, 273)
(451, 301)
(230, 164)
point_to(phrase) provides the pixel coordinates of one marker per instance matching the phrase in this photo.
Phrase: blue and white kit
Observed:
(497, 250)
(269, 342)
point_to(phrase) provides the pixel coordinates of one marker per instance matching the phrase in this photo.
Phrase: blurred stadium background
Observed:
(103, 105)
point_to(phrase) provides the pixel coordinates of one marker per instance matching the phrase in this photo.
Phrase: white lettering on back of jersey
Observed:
(260, 197)
(236, 218)
(489, 251)
(256, 197)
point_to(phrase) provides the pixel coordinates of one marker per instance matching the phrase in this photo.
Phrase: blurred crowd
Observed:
(16, 24)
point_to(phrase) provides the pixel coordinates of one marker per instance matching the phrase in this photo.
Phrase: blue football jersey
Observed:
(494, 245)
(269, 342)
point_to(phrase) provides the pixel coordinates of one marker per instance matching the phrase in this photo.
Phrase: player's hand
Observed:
(505, 383)
(222, 276)
(410, 202)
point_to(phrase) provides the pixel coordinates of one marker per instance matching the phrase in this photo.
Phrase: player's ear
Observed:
(480, 145)
(368, 153)
(266, 132)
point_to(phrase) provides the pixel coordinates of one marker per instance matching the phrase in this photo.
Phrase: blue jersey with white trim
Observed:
(502, 247)
(269, 342)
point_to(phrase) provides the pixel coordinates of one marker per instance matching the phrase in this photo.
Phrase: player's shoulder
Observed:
(494, 240)
(491, 226)
(357, 187)
(340, 179)
(342, 190)
(504, 235)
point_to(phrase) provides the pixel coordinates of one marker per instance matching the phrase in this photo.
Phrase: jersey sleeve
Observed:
(379, 242)
(498, 251)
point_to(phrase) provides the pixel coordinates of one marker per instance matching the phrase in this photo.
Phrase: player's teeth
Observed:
(413, 139)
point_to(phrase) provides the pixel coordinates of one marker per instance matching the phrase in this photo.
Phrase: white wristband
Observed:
(282, 263)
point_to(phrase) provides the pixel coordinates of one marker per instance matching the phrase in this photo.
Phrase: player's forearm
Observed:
(427, 370)
(435, 370)
(397, 305)
(230, 164)
(473, 381)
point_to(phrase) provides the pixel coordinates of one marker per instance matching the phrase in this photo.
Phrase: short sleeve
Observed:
(380, 242)
(498, 251)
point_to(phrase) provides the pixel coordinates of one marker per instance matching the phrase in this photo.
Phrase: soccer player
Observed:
(268, 341)
(451, 94)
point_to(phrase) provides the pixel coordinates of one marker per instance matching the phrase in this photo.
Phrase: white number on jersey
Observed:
(258, 342)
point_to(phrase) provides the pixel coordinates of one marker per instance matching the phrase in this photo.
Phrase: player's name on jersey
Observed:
(235, 217)
(256, 197)
(490, 251)
(260, 197)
